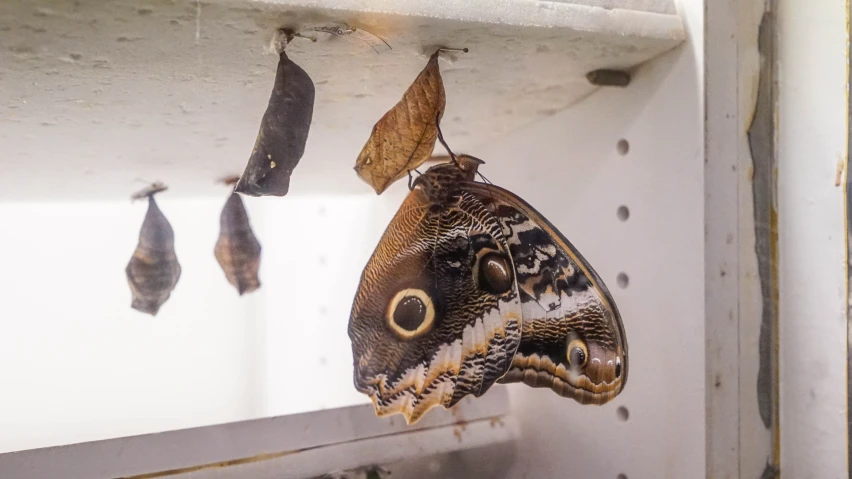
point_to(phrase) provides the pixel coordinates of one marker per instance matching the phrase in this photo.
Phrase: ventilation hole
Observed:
(623, 213)
(622, 280)
(622, 146)
(622, 413)
(621, 476)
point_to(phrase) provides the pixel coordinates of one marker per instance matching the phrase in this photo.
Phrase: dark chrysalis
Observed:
(153, 270)
(283, 133)
(237, 250)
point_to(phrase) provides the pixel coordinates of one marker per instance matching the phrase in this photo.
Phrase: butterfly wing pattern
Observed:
(468, 286)
(572, 339)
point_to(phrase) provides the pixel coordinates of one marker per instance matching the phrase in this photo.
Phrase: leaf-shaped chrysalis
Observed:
(153, 270)
(237, 250)
(283, 133)
(405, 136)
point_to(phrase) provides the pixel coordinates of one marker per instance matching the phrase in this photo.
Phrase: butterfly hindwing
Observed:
(568, 313)
(437, 315)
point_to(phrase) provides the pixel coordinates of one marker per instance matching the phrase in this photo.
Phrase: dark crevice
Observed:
(761, 137)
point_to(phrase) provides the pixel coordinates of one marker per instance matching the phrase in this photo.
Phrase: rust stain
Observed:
(841, 168)
(216, 465)
(461, 423)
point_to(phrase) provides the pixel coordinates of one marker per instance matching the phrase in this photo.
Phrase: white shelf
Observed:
(296, 446)
(97, 96)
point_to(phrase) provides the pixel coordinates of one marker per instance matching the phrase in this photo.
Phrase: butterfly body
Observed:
(470, 286)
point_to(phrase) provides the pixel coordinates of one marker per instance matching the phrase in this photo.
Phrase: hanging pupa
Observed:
(405, 136)
(153, 270)
(237, 250)
(283, 131)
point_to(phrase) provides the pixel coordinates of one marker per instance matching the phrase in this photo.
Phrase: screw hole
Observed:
(622, 280)
(622, 147)
(623, 413)
(622, 476)
(623, 213)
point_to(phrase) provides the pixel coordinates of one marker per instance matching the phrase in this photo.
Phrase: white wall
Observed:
(568, 167)
(319, 246)
(76, 363)
(812, 142)
(79, 364)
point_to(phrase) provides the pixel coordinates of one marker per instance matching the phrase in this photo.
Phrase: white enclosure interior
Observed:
(96, 100)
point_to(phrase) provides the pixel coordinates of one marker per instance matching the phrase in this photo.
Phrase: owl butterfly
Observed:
(469, 286)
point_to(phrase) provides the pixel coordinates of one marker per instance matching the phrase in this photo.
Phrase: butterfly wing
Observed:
(573, 339)
(437, 313)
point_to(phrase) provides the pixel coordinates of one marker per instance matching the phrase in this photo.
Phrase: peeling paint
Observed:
(761, 135)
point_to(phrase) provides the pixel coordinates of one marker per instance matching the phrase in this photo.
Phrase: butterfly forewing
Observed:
(437, 315)
(572, 336)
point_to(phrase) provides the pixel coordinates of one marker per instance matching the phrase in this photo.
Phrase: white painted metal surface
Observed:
(739, 444)
(78, 364)
(570, 168)
(300, 446)
(613, 16)
(812, 137)
(101, 93)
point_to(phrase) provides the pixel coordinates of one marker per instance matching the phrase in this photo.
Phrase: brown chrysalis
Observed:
(405, 136)
(237, 250)
(283, 132)
(153, 270)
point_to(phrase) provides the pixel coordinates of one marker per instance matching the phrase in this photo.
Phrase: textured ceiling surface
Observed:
(97, 98)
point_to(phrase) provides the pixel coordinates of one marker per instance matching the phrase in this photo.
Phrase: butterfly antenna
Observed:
(441, 138)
